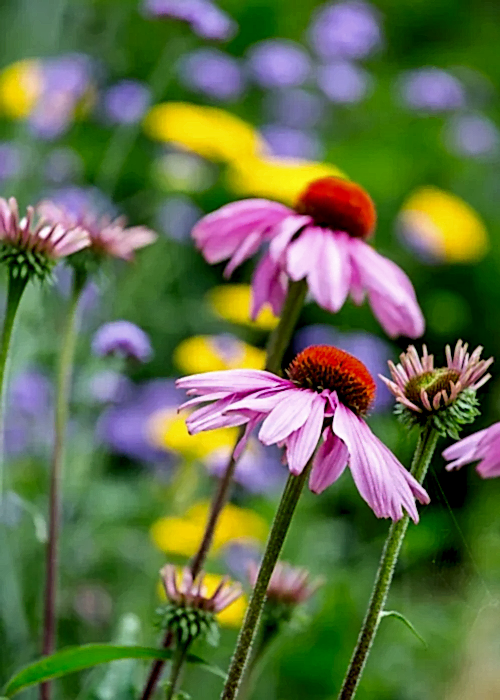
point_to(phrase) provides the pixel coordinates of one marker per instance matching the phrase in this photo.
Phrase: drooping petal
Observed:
(483, 446)
(288, 415)
(213, 416)
(390, 291)
(464, 451)
(231, 380)
(329, 279)
(301, 444)
(329, 462)
(284, 232)
(381, 479)
(269, 285)
(303, 254)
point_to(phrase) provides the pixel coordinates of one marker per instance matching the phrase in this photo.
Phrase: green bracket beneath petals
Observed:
(79, 658)
(405, 621)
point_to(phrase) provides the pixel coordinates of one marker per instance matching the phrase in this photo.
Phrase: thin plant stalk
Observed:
(279, 530)
(15, 288)
(421, 460)
(64, 376)
(176, 671)
(277, 346)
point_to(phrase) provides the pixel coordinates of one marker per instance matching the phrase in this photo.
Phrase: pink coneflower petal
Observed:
(466, 450)
(329, 463)
(289, 415)
(330, 277)
(269, 285)
(284, 233)
(381, 480)
(302, 442)
(232, 380)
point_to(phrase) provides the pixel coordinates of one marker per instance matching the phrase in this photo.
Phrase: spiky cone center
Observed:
(431, 384)
(339, 205)
(324, 367)
(188, 623)
(25, 264)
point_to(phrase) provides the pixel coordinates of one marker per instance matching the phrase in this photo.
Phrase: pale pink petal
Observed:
(301, 444)
(381, 479)
(260, 401)
(269, 286)
(464, 451)
(303, 254)
(245, 250)
(390, 291)
(213, 416)
(284, 232)
(483, 446)
(231, 380)
(329, 279)
(242, 443)
(288, 415)
(329, 462)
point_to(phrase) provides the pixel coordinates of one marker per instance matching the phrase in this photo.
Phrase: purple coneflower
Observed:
(482, 447)
(289, 585)
(184, 591)
(324, 398)
(108, 237)
(122, 338)
(322, 241)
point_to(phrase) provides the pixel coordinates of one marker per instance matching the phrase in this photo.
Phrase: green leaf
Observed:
(404, 620)
(78, 658)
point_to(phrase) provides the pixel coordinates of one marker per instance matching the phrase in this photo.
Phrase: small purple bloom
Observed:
(212, 73)
(348, 29)
(278, 63)
(11, 160)
(295, 107)
(205, 19)
(344, 82)
(431, 89)
(292, 143)
(472, 135)
(126, 102)
(124, 427)
(124, 339)
(371, 350)
(177, 216)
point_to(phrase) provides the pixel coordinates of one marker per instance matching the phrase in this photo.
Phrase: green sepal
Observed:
(188, 624)
(448, 420)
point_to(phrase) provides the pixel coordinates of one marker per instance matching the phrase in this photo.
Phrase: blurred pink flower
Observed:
(108, 236)
(482, 447)
(192, 593)
(324, 398)
(289, 584)
(321, 241)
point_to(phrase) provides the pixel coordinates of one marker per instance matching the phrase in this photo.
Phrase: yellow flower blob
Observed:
(182, 535)
(280, 179)
(20, 87)
(208, 131)
(232, 303)
(205, 353)
(233, 615)
(167, 430)
(444, 225)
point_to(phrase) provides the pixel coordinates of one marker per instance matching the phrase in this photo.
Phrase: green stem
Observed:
(421, 460)
(282, 335)
(64, 376)
(175, 673)
(281, 524)
(15, 288)
(268, 635)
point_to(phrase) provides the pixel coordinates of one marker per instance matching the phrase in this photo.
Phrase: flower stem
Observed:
(175, 673)
(423, 454)
(15, 288)
(156, 669)
(282, 334)
(65, 371)
(281, 524)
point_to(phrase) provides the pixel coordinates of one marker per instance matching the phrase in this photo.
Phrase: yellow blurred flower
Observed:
(167, 430)
(208, 131)
(444, 226)
(205, 353)
(233, 615)
(280, 179)
(232, 303)
(20, 87)
(182, 535)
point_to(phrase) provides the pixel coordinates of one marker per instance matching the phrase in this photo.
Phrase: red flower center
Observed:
(326, 367)
(340, 205)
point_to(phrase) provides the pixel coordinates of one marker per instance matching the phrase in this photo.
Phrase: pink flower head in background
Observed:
(482, 447)
(289, 585)
(38, 237)
(324, 399)
(322, 241)
(187, 592)
(108, 237)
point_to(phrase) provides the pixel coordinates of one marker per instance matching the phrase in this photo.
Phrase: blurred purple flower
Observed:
(239, 556)
(124, 339)
(259, 470)
(348, 29)
(292, 143)
(295, 107)
(212, 73)
(177, 216)
(29, 419)
(344, 82)
(431, 89)
(472, 135)
(124, 427)
(109, 386)
(126, 102)
(371, 350)
(205, 19)
(11, 160)
(62, 164)
(65, 81)
(278, 63)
